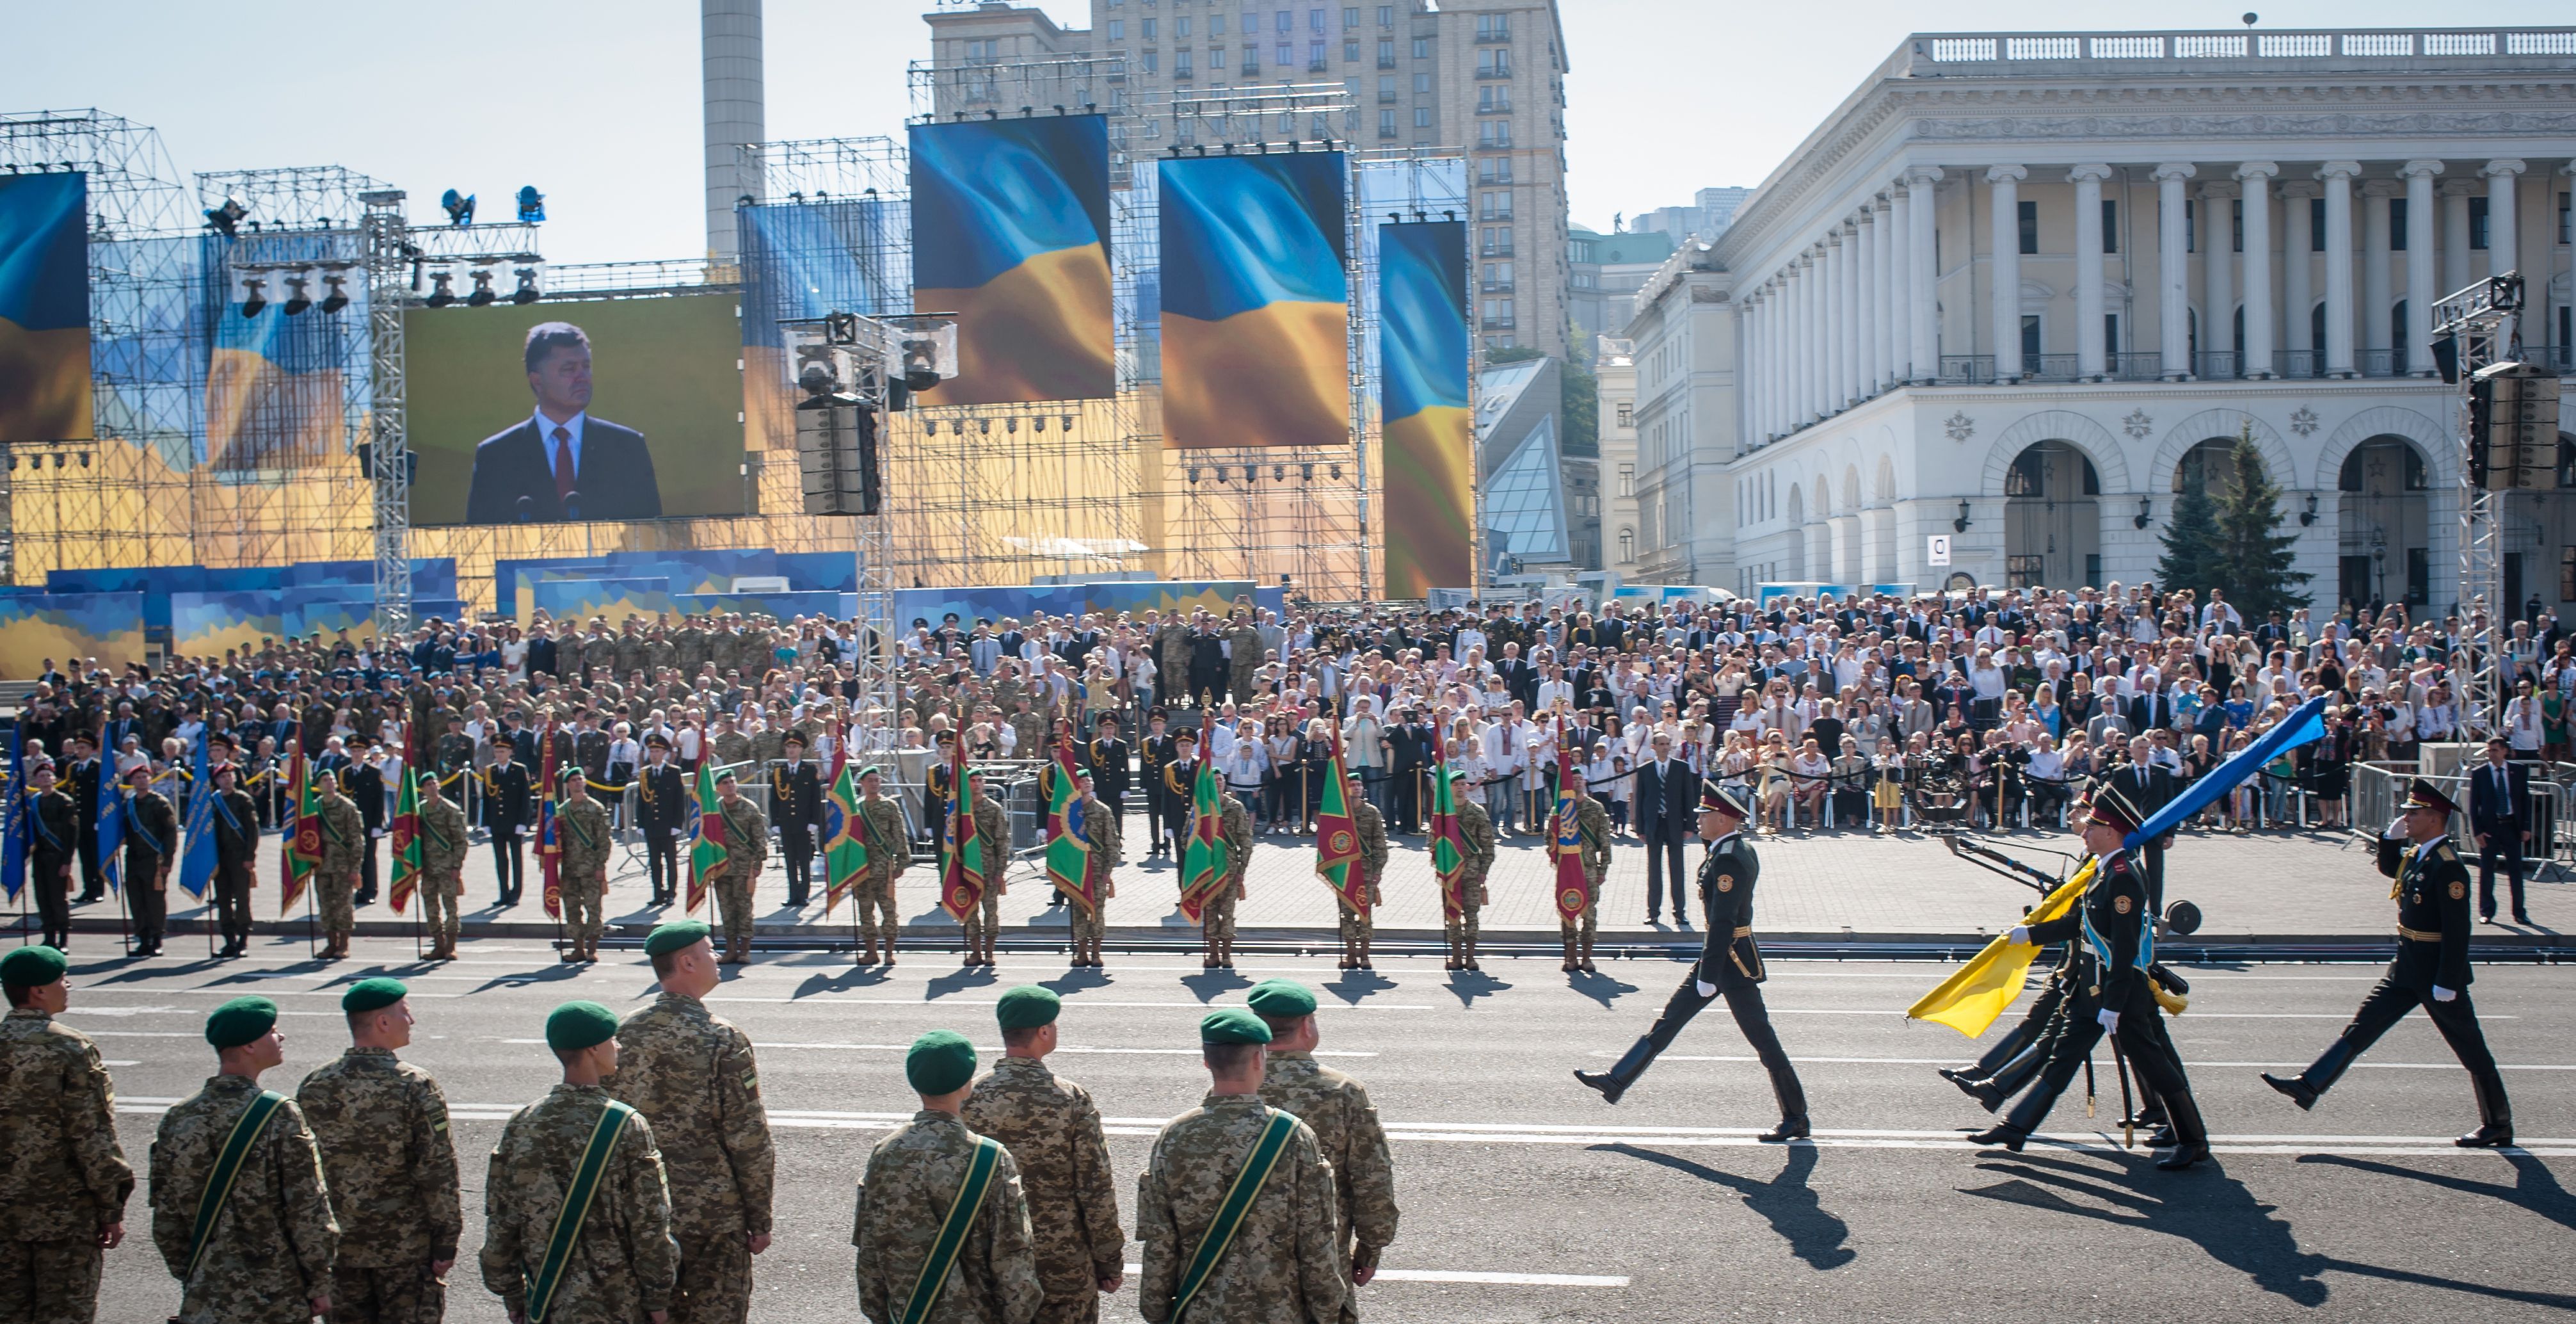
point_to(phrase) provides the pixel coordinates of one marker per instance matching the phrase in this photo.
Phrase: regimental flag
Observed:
(550, 836)
(1068, 852)
(706, 833)
(408, 861)
(197, 857)
(1448, 839)
(1565, 839)
(13, 831)
(962, 873)
(845, 847)
(304, 850)
(111, 822)
(1337, 837)
(1203, 861)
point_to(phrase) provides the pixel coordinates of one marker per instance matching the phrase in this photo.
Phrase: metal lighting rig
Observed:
(2508, 421)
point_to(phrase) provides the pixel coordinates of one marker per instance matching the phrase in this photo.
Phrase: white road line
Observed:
(2192, 1062)
(1477, 1276)
(1074, 999)
(987, 1048)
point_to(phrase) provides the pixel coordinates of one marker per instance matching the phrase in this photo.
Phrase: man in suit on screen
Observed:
(561, 464)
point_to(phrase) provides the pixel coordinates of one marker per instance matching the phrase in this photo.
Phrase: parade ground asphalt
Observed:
(1523, 1196)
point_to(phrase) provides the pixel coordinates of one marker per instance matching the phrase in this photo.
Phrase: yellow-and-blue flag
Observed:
(1010, 230)
(1256, 305)
(1423, 344)
(44, 307)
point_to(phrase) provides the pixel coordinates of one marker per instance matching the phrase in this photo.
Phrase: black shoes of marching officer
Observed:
(2297, 1087)
(1790, 1128)
(2001, 1133)
(2183, 1157)
(1987, 1094)
(2493, 1135)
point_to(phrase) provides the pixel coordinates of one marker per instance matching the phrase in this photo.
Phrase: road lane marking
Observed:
(1952, 1061)
(1477, 1276)
(991, 1048)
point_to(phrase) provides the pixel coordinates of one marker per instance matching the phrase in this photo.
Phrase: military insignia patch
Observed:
(1726, 882)
(1342, 841)
(2120, 904)
(2458, 889)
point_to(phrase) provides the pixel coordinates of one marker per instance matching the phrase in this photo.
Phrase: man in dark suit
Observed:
(1106, 760)
(2150, 709)
(561, 464)
(2500, 817)
(366, 783)
(1411, 749)
(1667, 794)
(2148, 786)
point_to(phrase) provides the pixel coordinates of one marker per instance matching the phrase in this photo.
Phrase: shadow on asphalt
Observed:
(2534, 1187)
(2205, 1207)
(1470, 985)
(959, 980)
(552, 974)
(1814, 1233)
(1601, 988)
(863, 976)
(1352, 986)
(1081, 977)
(1209, 985)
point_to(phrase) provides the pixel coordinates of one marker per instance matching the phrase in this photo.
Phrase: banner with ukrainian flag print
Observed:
(1256, 300)
(1422, 396)
(44, 307)
(1010, 231)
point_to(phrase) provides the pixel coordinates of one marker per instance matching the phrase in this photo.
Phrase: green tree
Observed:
(2190, 557)
(2225, 534)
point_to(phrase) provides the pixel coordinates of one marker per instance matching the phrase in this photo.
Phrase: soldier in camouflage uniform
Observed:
(992, 827)
(1052, 1129)
(390, 1166)
(335, 883)
(268, 1252)
(692, 1075)
(63, 1178)
(660, 654)
(689, 648)
(1345, 1124)
(889, 851)
(442, 867)
(630, 651)
(581, 827)
(1283, 1267)
(1216, 913)
(1172, 658)
(913, 1177)
(731, 746)
(623, 1263)
(746, 843)
(1360, 927)
(1244, 653)
(1101, 827)
(1476, 828)
(1592, 823)
(572, 655)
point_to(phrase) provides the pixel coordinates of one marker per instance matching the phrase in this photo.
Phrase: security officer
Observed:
(881, 832)
(581, 826)
(1730, 966)
(442, 867)
(915, 1180)
(53, 823)
(1053, 1131)
(796, 803)
(236, 821)
(2431, 970)
(507, 806)
(663, 794)
(388, 1164)
(63, 1190)
(1345, 1124)
(151, 847)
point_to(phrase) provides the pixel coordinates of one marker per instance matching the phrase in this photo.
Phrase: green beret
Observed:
(1232, 1025)
(373, 995)
(575, 1026)
(1027, 1007)
(1281, 1000)
(668, 938)
(872, 770)
(239, 1021)
(941, 1062)
(29, 966)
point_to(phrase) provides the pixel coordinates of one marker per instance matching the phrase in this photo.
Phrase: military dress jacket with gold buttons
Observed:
(2433, 924)
(1726, 877)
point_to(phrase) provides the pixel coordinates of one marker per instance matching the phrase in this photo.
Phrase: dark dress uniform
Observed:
(664, 810)
(55, 828)
(83, 785)
(1106, 758)
(1155, 755)
(796, 805)
(236, 854)
(2432, 895)
(366, 788)
(151, 836)
(508, 805)
(1729, 967)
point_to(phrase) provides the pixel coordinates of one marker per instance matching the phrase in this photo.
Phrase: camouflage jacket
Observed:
(746, 840)
(1053, 1131)
(1592, 822)
(443, 843)
(1234, 828)
(1347, 1130)
(581, 827)
(344, 836)
(1373, 847)
(993, 827)
(912, 1177)
(881, 831)
(1249, 648)
(693, 1075)
(732, 747)
(689, 649)
(382, 1125)
(1282, 1267)
(1477, 828)
(625, 1262)
(62, 1174)
(270, 1250)
(1102, 827)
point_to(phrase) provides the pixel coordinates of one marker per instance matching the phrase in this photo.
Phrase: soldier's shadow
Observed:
(1601, 988)
(1814, 1233)
(961, 979)
(1210, 985)
(1075, 980)
(2534, 1186)
(552, 974)
(863, 976)
(2210, 1210)
(1469, 985)
(1355, 986)
(266, 975)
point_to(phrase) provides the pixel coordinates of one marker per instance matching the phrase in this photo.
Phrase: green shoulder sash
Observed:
(1229, 1216)
(228, 1162)
(576, 1208)
(952, 1230)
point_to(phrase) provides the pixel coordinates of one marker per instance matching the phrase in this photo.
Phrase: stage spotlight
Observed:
(532, 204)
(822, 195)
(335, 292)
(442, 289)
(1306, 472)
(1251, 473)
(459, 206)
(798, 196)
(984, 426)
(299, 298)
(1068, 422)
(746, 200)
(527, 291)
(254, 296)
(483, 294)
(1279, 473)
(1194, 473)
(1011, 425)
(1335, 471)
(84, 459)
(1038, 424)
(223, 217)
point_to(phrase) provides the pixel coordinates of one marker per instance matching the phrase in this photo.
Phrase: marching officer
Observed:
(746, 843)
(508, 804)
(54, 824)
(1730, 966)
(665, 807)
(388, 1165)
(796, 801)
(2431, 970)
(1345, 1125)
(692, 1075)
(881, 832)
(236, 854)
(1052, 1129)
(931, 1173)
(581, 824)
(442, 867)
(63, 1191)
(151, 846)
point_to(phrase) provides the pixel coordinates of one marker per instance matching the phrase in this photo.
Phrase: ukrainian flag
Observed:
(44, 308)
(1422, 356)
(1256, 304)
(1010, 226)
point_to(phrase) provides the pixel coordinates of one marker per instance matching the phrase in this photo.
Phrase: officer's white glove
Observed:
(2021, 935)
(2441, 994)
(2110, 1020)
(1709, 990)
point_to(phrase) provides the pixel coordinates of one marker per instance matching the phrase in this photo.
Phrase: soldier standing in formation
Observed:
(236, 820)
(1216, 913)
(796, 801)
(1344, 1121)
(941, 1209)
(54, 824)
(665, 806)
(1052, 1130)
(581, 827)
(993, 829)
(1359, 926)
(881, 831)
(381, 1124)
(576, 1212)
(64, 1187)
(335, 881)
(693, 1077)
(1729, 966)
(1476, 833)
(151, 846)
(1592, 830)
(1276, 1262)
(1101, 827)
(442, 867)
(746, 844)
(262, 1251)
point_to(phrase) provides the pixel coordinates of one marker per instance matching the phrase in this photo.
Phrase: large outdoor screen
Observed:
(44, 307)
(1256, 304)
(1010, 232)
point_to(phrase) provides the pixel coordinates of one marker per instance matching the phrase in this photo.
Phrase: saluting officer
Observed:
(2431, 970)
(63, 1190)
(1730, 966)
(665, 805)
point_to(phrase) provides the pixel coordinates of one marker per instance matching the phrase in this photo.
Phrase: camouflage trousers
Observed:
(1357, 926)
(332, 893)
(1242, 681)
(386, 1296)
(984, 919)
(874, 895)
(49, 1282)
(438, 898)
(581, 908)
(1216, 918)
(1463, 928)
(1090, 927)
(715, 1280)
(1590, 924)
(733, 907)
(1082, 1307)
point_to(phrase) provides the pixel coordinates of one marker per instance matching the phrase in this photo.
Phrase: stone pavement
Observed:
(2273, 889)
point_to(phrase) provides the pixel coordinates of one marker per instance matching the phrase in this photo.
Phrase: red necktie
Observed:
(563, 463)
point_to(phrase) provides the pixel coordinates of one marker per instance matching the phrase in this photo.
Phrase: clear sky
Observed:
(597, 103)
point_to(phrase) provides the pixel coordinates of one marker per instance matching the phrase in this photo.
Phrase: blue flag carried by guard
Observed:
(13, 831)
(197, 860)
(2306, 724)
(111, 824)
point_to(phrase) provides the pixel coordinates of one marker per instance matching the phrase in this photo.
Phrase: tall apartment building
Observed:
(1710, 211)
(1485, 79)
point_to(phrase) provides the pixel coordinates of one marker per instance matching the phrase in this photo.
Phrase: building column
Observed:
(2455, 234)
(2004, 285)
(1898, 244)
(2218, 270)
(1866, 324)
(2255, 177)
(2092, 348)
(1922, 270)
(2503, 253)
(2298, 274)
(2378, 274)
(2338, 176)
(1783, 353)
(1837, 269)
(2173, 273)
(1811, 338)
(1847, 312)
(1882, 304)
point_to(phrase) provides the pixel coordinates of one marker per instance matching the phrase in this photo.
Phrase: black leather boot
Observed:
(1617, 1079)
